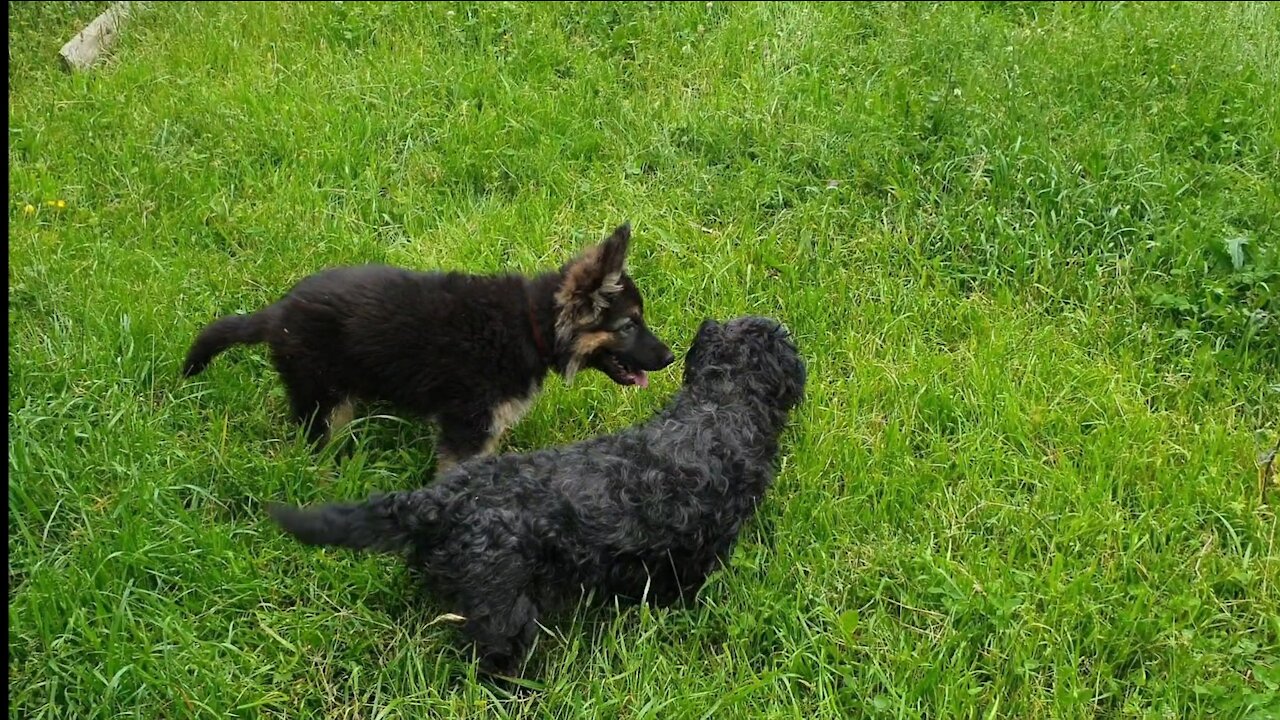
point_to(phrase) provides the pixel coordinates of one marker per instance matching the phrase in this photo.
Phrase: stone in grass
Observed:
(83, 50)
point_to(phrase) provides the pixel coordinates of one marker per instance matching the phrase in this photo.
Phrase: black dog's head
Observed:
(751, 354)
(600, 317)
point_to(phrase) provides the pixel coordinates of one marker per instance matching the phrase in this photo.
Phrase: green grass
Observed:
(1030, 252)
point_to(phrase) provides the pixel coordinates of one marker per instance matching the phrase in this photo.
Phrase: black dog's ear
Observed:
(594, 277)
(708, 328)
(708, 331)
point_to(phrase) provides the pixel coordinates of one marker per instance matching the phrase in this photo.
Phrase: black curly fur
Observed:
(645, 513)
(446, 346)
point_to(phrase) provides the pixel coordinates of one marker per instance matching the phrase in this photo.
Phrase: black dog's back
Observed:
(644, 513)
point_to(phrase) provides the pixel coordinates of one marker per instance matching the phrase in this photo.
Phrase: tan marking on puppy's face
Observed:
(587, 344)
(603, 333)
(580, 276)
(600, 317)
(620, 344)
(590, 284)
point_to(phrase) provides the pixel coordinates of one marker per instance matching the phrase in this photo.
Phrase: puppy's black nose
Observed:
(669, 358)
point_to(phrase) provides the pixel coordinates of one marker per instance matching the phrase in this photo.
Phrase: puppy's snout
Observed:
(653, 353)
(660, 358)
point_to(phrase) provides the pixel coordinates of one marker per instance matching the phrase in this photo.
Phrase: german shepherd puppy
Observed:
(467, 351)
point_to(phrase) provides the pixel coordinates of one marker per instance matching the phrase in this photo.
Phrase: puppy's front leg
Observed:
(505, 415)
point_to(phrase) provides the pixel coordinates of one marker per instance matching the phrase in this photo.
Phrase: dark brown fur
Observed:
(467, 351)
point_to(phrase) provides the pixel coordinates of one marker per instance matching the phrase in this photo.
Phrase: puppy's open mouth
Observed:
(619, 372)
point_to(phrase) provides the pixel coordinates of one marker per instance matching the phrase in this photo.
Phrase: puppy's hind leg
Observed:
(344, 411)
(462, 436)
(311, 402)
(316, 421)
(341, 416)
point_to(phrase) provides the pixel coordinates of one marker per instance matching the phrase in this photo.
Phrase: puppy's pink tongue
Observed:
(642, 378)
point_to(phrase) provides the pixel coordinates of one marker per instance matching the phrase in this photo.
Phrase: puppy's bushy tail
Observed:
(222, 334)
(384, 523)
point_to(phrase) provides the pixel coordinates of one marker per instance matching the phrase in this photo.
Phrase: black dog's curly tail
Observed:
(222, 334)
(385, 523)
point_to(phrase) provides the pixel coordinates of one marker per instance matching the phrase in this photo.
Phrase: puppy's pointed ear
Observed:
(613, 251)
(593, 278)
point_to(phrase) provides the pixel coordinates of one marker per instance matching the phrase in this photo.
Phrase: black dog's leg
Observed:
(462, 435)
(689, 572)
(503, 630)
(495, 595)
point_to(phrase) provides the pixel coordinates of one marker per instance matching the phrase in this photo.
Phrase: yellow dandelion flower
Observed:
(28, 208)
(50, 203)
(62, 204)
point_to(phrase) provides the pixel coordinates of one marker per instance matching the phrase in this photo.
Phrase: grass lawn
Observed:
(1031, 253)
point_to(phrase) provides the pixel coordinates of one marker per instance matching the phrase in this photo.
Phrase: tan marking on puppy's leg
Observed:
(491, 445)
(445, 462)
(505, 416)
(339, 417)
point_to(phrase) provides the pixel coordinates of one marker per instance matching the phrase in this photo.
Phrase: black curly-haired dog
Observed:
(469, 351)
(643, 514)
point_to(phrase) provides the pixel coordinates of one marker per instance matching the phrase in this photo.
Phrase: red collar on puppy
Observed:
(537, 330)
